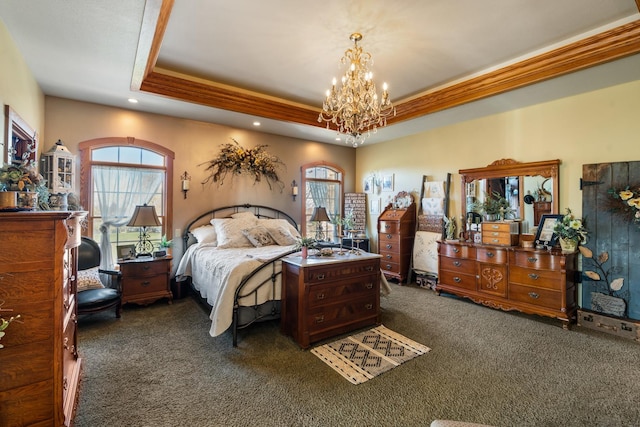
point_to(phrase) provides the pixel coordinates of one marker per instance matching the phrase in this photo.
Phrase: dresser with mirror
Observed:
(507, 273)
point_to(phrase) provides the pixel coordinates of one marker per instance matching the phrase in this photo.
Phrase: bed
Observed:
(232, 261)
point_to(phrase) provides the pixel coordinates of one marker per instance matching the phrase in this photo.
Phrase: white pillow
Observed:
(205, 234)
(89, 279)
(229, 231)
(259, 236)
(245, 215)
(281, 235)
(275, 223)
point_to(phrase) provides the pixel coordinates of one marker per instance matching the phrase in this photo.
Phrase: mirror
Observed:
(529, 190)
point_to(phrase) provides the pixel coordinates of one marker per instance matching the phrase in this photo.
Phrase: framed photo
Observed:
(374, 206)
(545, 236)
(126, 252)
(368, 185)
(387, 183)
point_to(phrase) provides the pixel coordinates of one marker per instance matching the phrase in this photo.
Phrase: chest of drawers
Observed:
(396, 231)
(145, 280)
(39, 365)
(324, 297)
(510, 278)
(500, 233)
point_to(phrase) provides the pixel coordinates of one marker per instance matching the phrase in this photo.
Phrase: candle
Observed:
(185, 185)
(295, 190)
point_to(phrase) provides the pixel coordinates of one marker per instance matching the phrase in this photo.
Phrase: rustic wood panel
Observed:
(610, 232)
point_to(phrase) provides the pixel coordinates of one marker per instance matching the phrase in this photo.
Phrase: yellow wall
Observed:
(18, 89)
(594, 127)
(194, 143)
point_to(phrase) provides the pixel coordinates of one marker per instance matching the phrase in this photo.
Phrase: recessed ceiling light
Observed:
(133, 100)
(256, 123)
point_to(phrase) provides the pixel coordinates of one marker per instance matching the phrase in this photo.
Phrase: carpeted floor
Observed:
(158, 366)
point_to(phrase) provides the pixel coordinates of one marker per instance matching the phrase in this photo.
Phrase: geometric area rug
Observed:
(365, 355)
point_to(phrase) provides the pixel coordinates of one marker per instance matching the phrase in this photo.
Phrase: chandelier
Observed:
(354, 109)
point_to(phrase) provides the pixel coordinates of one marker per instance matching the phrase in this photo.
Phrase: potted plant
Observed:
(166, 244)
(570, 231)
(493, 207)
(304, 244)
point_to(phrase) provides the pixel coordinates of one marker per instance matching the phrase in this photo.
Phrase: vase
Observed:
(568, 245)
(305, 252)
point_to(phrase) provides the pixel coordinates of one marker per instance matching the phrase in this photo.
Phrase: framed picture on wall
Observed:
(387, 182)
(374, 206)
(368, 185)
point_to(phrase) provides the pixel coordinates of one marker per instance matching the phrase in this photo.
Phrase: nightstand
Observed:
(145, 280)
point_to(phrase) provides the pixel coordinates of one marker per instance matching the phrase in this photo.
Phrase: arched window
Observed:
(117, 174)
(323, 185)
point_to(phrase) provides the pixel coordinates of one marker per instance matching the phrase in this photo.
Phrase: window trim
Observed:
(303, 169)
(85, 148)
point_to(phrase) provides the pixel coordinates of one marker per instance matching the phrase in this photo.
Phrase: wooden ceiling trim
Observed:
(604, 47)
(227, 98)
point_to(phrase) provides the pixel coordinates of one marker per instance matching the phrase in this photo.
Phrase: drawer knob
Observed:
(457, 279)
(320, 296)
(457, 263)
(532, 259)
(534, 276)
(387, 226)
(389, 246)
(388, 266)
(495, 240)
(369, 286)
(369, 268)
(456, 250)
(320, 276)
(490, 254)
(320, 319)
(389, 256)
(146, 267)
(368, 306)
(495, 234)
(534, 295)
(145, 283)
(495, 227)
(389, 236)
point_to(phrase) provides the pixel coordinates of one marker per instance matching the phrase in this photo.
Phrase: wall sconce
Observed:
(294, 189)
(186, 181)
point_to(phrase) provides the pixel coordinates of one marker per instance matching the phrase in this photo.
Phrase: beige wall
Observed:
(599, 126)
(194, 143)
(18, 89)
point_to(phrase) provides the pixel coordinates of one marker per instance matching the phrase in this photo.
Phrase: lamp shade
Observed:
(320, 214)
(144, 216)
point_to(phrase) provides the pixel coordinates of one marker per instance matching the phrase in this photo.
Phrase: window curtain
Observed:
(119, 190)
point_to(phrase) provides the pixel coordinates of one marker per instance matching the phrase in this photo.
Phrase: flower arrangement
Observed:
(235, 159)
(571, 228)
(20, 178)
(627, 202)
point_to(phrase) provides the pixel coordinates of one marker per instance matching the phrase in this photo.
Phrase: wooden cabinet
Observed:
(539, 209)
(396, 232)
(510, 278)
(39, 364)
(324, 297)
(145, 280)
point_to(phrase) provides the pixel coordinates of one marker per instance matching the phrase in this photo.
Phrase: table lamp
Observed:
(320, 215)
(144, 216)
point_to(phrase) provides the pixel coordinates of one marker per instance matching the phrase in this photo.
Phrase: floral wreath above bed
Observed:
(235, 159)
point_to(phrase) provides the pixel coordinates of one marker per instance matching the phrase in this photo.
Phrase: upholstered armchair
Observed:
(97, 289)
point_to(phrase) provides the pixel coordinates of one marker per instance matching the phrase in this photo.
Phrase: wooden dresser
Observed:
(327, 296)
(39, 364)
(396, 232)
(510, 278)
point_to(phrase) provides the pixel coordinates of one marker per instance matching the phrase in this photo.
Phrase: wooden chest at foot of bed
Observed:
(323, 297)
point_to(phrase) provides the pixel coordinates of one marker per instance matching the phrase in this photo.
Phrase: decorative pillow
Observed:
(89, 279)
(259, 236)
(275, 223)
(205, 234)
(229, 231)
(281, 235)
(245, 215)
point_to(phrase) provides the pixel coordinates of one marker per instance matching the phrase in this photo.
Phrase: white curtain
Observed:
(118, 191)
